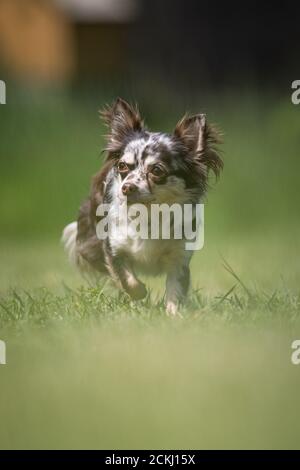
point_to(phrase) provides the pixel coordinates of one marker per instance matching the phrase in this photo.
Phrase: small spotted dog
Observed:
(147, 168)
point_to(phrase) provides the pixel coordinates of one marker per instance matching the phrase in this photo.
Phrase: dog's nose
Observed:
(128, 188)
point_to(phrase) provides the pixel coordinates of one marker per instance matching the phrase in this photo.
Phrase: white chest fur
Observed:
(131, 236)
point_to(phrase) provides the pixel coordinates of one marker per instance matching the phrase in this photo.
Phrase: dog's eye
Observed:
(157, 171)
(122, 167)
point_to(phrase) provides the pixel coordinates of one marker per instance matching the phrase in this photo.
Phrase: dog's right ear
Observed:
(122, 120)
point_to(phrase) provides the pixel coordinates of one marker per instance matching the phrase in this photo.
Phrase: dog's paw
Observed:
(172, 309)
(137, 291)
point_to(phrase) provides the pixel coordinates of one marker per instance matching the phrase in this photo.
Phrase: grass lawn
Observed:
(87, 368)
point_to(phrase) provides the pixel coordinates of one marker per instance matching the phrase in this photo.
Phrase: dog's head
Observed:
(159, 167)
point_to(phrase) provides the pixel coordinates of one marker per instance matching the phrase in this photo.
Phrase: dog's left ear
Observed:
(122, 120)
(201, 140)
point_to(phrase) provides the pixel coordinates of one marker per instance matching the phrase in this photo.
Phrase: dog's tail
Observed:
(72, 247)
(68, 239)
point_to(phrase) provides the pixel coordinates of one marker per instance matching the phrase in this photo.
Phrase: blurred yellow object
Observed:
(36, 41)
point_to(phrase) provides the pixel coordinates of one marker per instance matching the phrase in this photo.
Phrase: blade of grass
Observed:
(230, 270)
(224, 297)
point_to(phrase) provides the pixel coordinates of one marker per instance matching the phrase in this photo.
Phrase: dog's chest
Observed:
(148, 255)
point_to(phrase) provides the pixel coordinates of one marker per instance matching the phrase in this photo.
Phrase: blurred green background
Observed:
(86, 368)
(51, 146)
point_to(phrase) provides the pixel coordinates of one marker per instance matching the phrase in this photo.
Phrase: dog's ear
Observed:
(201, 140)
(122, 119)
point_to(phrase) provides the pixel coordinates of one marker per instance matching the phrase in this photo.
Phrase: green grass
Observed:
(88, 368)
(100, 303)
(88, 371)
(42, 308)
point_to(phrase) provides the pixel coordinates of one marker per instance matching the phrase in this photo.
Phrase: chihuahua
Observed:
(147, 168)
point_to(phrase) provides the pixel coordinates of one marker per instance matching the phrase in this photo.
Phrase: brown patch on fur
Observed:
(89, 246)
(97, 189)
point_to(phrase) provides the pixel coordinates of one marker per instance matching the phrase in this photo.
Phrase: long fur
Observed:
(144, 167)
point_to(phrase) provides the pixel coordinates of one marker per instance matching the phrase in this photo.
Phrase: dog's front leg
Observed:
(124, 275)
(178, 281)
